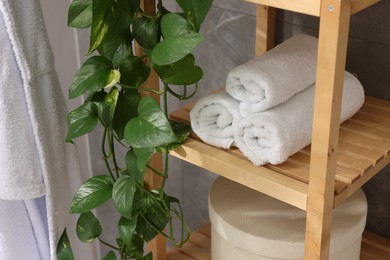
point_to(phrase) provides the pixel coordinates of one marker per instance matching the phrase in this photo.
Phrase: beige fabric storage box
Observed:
(247, 225)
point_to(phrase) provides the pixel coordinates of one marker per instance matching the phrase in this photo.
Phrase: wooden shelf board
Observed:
(364, 148)
(374, 247)
(339, 198)
(242, 171)
(310, 7)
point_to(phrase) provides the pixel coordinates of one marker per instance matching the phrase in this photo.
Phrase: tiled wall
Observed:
(230, 29)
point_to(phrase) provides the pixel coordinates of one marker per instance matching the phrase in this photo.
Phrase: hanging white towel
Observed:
(41, 106)
(214, 119)
(20, 170)
(17, 240)
(275, 76)
(275, 134)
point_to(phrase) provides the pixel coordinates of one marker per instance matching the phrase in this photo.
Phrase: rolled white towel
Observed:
(214, 119)
(275, 76)
(273, 135)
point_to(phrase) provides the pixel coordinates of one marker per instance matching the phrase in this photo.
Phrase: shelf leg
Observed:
(158, 245)
(265, 28)
(333, 39)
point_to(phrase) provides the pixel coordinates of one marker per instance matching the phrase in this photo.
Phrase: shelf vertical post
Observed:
(265, 28)
(158, 245)
(332, 48)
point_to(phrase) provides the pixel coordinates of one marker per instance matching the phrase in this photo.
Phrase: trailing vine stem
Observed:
(107, 244)
(105, 156)
(154, 170)
(159, 6)
(166, 152)
(112, 151)
(184, 96)
(113, 79)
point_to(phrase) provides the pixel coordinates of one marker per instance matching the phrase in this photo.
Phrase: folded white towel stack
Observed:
(275, 76)
(275, 134)
(214, 119)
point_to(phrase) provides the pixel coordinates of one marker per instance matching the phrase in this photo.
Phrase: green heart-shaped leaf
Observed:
(64, 251)
(179, 40)
(136, 250)
(80, 14)
(102, 16)
(126, 228)
(117, 47)
(95, 74)
(88, 227)
(195, 10)
(146, 32)
(133, 72)
(174, 25)
(151, 128)
(182, 131)
(182, 72)
(130, 7)
(109, 106)
(143, 156)
(123, 195)
(94, 192)
(81, 120)
(156, 212)
(117, 42)
(185, 77)
(110, 256)
(132, 168)
(126, 109)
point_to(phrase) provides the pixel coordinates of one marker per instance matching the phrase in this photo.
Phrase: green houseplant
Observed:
(111, 79)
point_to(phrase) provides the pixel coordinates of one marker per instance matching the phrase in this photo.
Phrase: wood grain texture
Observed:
(311, 7)
(360, 155)
(332, 48)
(152, 181)
(265, 29)
(374, 247)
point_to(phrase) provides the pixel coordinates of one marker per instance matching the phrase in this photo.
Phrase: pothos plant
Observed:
(112, 79)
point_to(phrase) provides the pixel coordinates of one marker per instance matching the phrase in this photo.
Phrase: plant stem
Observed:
(159, 6)
(156, 229)
(166, 153)
(184, 96)
(165, 174)
(154, 170)
(107, 244)
(112, 151)
(166, 89)
(105, 157)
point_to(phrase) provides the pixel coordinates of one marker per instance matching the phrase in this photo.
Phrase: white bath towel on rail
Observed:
(275, 134)
(214, 119)
(42, 112)
(275, 76)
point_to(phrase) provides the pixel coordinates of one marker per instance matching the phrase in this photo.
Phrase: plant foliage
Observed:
(112, 79)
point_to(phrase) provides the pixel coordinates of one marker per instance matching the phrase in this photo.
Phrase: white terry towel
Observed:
(214, 119)
(275, 134)
(54, 170)
(275, 76)
(20, 169)
(21, 224)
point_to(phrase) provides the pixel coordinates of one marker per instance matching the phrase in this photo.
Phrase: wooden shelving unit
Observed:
(341, 158)
(364, 147)
(373, 247)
